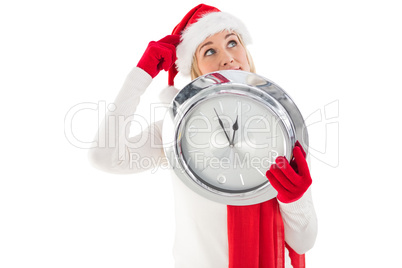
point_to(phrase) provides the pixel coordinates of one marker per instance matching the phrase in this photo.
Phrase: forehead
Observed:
(218, 36)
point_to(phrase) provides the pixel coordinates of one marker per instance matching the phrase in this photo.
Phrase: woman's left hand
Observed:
(291, 180)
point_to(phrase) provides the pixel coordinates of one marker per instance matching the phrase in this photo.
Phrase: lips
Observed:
(234, 68)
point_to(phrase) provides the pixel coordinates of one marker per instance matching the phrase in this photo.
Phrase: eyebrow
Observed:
(210, 42)
(228, 35)
(206, 44)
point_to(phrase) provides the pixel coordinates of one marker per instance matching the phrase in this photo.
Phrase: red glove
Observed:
(290, 180)
(159, 55)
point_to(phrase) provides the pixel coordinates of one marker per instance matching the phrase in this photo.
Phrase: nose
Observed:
(226, 59)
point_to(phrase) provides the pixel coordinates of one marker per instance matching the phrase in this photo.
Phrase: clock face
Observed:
(228, 142)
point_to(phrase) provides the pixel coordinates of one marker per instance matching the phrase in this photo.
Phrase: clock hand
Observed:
(235, 127)
(221, 123)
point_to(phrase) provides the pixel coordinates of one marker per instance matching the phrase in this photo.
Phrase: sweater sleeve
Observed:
(300, 223)
(116, 151)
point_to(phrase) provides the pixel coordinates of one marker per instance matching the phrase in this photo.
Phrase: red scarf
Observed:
(256, 237)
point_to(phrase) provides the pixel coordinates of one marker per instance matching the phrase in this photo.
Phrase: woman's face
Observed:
(221, 51)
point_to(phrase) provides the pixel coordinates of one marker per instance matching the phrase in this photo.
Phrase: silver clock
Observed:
(223, 131)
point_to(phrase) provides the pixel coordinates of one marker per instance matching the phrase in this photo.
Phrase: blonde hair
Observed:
(195, 71)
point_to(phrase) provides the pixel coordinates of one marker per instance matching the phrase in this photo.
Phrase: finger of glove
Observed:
(287, 170)
(275, 183)
(165, 54)
(156, 48)
(297, 144)
(283, 179)
(171, 39)
(301, 162)
(293, 162)
(169, 59)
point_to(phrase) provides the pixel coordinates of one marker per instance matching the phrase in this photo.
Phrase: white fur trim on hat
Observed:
(196, 33)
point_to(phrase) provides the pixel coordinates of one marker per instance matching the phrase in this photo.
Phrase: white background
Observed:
(338, 59)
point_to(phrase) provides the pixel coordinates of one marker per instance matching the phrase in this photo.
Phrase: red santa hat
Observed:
(199, 23)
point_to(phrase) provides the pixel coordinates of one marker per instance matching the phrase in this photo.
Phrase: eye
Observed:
(209, 52)
(232, 43)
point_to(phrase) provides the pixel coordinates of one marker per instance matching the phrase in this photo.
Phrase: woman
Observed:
(209, 234)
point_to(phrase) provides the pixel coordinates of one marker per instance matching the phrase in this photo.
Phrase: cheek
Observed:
(206, 66)
(243, 59)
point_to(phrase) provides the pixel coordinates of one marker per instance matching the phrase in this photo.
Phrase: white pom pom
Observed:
(167, 94)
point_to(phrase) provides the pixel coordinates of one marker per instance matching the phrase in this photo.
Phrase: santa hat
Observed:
(198, 24)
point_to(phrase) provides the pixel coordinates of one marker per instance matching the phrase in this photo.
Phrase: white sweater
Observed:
(195, 246)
